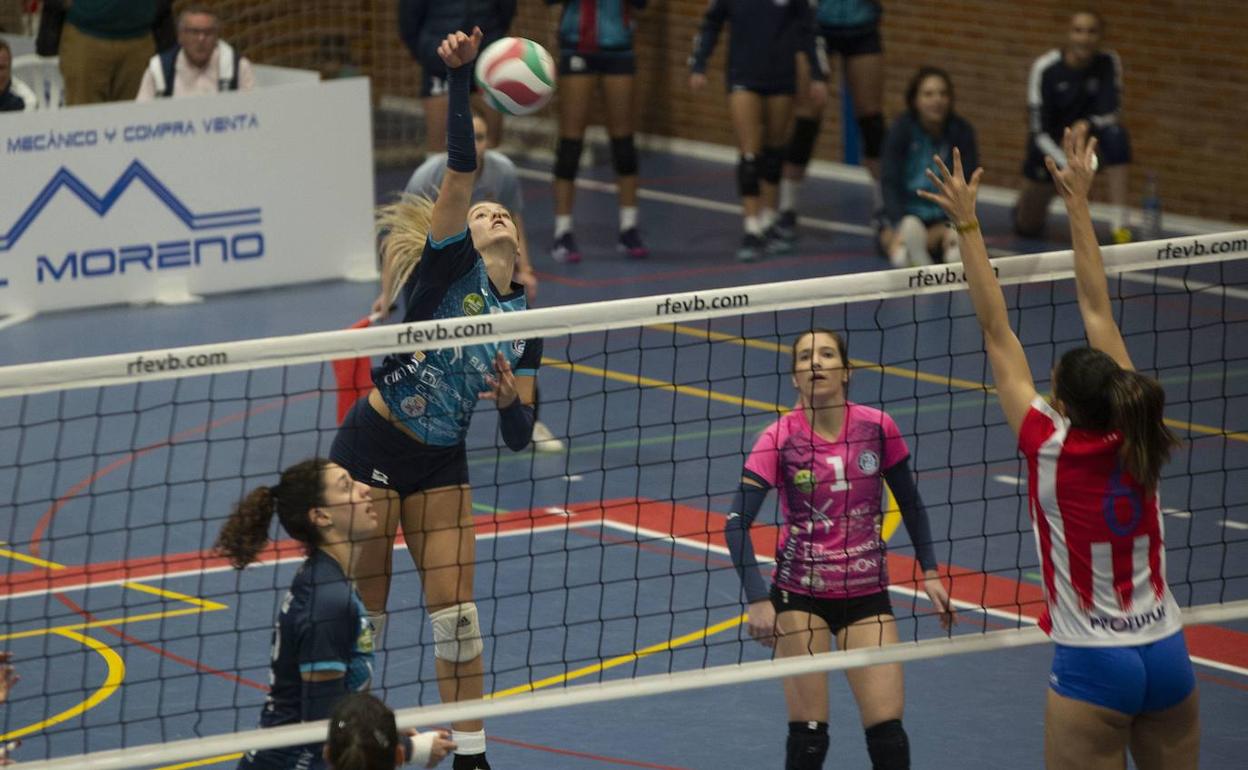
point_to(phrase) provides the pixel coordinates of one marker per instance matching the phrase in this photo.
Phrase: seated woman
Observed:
(914, 230)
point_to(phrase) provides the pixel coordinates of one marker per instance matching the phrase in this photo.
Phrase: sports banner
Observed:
(134, 202)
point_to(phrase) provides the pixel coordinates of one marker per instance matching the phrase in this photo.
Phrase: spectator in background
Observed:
(200, 63)
(423, 25)
(104, 47)
(762, 77)
(850, 28)
(1079, 86)
(596, 46)
(15, 96)
(913, 229)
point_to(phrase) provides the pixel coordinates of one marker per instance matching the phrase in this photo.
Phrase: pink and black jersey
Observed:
(829, 544)
(1099, 536)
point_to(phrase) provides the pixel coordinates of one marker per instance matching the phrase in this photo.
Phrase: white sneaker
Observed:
(544, 440)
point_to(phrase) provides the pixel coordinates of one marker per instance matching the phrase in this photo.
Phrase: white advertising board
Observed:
(132, 202)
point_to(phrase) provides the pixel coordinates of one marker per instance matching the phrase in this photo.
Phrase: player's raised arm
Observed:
(1010, 371)
(450, 212)
(1073, 183)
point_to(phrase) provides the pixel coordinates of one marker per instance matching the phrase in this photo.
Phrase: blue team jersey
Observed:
(434, 392)
(322, 626)
(848, 13)
(597, 25)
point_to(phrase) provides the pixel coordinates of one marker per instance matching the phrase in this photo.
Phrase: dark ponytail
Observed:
(246, 532)
(1138, 404)
(362, 734)
(1100, 395)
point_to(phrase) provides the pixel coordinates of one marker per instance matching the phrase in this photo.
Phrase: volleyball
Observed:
(516, 75)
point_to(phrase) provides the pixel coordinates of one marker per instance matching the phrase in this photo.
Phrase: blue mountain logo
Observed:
(101, 205)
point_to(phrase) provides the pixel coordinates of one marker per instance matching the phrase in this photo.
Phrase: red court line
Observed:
(1216, 643)
(583, 755)
(194, 664)
(46, 519)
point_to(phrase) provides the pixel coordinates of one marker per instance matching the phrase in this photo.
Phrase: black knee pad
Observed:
(807, 746)
(747, 176)
(770, 164)
(871, 129)
(568, 158)
(802, 143)
(624, 155)
(888, 746)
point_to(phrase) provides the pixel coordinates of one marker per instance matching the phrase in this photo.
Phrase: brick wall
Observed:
(1185, 65)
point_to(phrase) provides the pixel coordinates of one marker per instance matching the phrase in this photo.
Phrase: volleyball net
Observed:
(601, 570)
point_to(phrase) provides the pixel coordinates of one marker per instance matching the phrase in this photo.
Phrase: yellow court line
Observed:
(15, 556)
(196, 601)
(650, 382)
(898, 371)
(202, 762)
(622, 659)
(116, 673)
(106, 622)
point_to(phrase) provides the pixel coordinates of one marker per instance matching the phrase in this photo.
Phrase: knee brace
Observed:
(802, 143)
(871, 129)
(807, 746)
(888, 746)
(747, 176)
(568, 158)
(770, 164)
(456, 633)
(624, 155)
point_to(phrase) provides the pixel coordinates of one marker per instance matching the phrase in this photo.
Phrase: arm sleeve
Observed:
(892, 171)
(746, 503)
(441, 264)
(708, 35)
(506, 10)
(970, 149)
(1039, 113)
(531, 359)
(913, 513)
(411, 18)
(1109, 97)
(515, 422)
(810, 41)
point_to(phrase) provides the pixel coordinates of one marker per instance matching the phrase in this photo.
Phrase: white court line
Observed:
(1013, 481)
(15, 319)
(908, 592)
(705, 204)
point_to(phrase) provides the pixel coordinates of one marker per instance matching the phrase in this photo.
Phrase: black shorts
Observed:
(837, 613)
(597, 62)
(287, 758)
(377, 453)
(775, 88)
(1113, 148)
(852, 41)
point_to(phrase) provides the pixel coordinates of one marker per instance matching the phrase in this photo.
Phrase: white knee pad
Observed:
(456, 633)
(914, 235)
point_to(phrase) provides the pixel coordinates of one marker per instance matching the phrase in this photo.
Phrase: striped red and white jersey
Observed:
(1099, 536)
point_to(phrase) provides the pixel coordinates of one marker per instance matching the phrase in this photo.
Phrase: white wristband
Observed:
(420, 748)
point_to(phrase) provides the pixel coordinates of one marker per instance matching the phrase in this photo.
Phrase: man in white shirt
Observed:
(15, 96)
(201, 62)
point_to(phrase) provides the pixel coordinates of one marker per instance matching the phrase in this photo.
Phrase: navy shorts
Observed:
(287, 758)
(775, 88)
(1130, 680)
(597, 62)
(852, 41)
(377, 453)
(837, 613)
(1113, 148)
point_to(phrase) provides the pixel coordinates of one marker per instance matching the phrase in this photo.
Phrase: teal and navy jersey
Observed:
(586, 26)
(848, 14)
(908, 151)
(322, 626)
(434, 392)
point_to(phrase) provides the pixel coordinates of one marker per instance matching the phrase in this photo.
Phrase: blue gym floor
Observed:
(140, 478)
